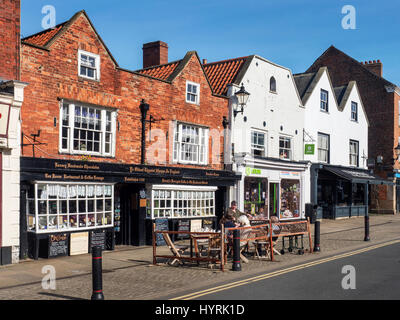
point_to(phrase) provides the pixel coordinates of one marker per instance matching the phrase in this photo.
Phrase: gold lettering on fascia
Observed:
(130, 179)
(175, 181)
(154, 171)
(212, 174)
(76, 166)
(85, 177)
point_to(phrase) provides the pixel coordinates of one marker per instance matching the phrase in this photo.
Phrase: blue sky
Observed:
(292, 33)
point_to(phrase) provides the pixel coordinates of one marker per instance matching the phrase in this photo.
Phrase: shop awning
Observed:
(358, 176)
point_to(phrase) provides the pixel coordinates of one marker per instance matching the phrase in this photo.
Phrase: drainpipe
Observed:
(144, 108)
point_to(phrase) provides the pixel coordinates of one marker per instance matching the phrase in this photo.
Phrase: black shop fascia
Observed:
(84, 203)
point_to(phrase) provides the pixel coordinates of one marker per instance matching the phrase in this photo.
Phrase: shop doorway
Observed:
(127, 221)
(274, 199)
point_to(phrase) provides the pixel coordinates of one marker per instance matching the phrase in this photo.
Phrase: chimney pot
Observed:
(205, 61)
(154, 54)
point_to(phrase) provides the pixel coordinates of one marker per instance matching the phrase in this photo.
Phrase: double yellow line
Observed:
(199, 294)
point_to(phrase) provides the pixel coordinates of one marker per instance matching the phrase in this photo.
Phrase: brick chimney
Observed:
(155, 53)
(10, 25)
(374, 66)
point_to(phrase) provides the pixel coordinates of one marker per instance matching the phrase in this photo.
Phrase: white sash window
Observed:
(190, 144)
(87, 130)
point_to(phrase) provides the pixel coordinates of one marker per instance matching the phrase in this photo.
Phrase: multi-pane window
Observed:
(324, 100)
(191, 144)
(89, 65)
(258, 143)
(354, 111)
(52, 207)
(323, 147)
(192, 92)
(182, 204)
(354, 153)
(87, 130)
(285, 148)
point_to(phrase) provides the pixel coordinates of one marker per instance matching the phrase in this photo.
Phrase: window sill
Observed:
(91, 155)
(88, 79)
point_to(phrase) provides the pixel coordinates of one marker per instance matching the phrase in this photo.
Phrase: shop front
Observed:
(273, 188)
(67, 207)
(342, 192)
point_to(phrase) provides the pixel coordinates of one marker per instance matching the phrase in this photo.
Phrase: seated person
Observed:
(275, 228)
(244, 222)
(233, 212)
(261, 214)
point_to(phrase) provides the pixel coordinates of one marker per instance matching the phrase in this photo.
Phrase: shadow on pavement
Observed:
(54, 295)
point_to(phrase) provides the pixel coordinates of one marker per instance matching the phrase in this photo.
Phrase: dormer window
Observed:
(324, 100)
(192, 92)
(354, 111)
(89, 65)
(272, 85)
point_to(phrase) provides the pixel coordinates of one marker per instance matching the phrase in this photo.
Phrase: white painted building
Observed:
(336, 142)
(267, 138)
(11, 98)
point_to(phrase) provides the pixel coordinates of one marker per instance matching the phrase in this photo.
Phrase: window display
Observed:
(181, 203)
(255, 198)
(53, 207)
(290, 199)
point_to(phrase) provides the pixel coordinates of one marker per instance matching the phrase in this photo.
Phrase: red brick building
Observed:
(381, 100)
(82, 128)
(11, 97)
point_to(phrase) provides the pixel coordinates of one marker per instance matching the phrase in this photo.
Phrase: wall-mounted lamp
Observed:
(243, 97)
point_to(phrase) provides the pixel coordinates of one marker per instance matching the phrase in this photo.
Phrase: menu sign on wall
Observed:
(79, 243)
(58, 245)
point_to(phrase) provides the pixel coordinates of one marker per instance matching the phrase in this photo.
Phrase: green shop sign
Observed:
(251, 171)
(309, 149)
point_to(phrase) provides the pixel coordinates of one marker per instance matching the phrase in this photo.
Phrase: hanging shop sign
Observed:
(309, 149)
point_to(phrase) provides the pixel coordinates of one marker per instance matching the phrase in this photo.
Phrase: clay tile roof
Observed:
(222, 73)
(162, 72)
(42, 38)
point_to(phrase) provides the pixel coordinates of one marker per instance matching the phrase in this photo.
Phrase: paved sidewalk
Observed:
(128, 273)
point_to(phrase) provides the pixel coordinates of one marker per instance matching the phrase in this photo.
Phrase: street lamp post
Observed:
(243, 97)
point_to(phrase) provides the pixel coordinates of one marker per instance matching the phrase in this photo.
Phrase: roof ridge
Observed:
(45, 31)
(159, 65)
(227, 60)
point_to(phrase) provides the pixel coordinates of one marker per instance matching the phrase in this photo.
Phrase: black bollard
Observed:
(367, 228)
(97, 274)
(317, 235)
(236, 266)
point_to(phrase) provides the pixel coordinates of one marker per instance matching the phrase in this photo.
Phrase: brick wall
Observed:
(53, 75)
(10, 11)
(379, 104)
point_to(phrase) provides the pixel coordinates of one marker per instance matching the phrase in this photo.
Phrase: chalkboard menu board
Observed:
(58, 245)
(98, 239)
(183, 226)
(161, 225)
